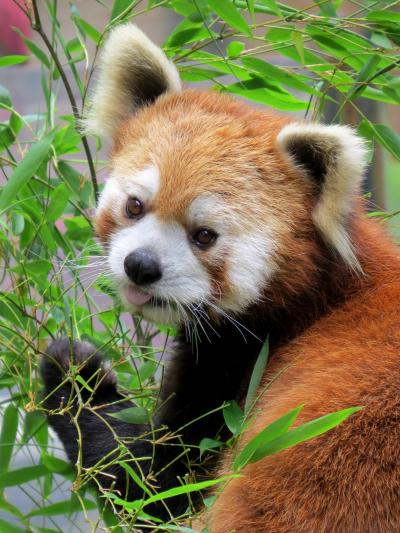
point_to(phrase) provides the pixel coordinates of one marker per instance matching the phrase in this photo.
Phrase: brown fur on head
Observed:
(266, 189)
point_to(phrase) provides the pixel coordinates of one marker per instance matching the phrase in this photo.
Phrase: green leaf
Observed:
(54, 464)
(384, 16)
(234, 49)
(36, 51)
(302, 433)
(327, 8)
(170, 493)
(22, 475)
(188, 36)
(58, 202)
(365, 73)
(78, 228)
(209, 444)
(109, 517)
(279, 35)
(135, 477)
(7, 527)
(271, 432)
(38, 267)
(256, 376)
(277, 74)
(84, 383)
(10, 508)
(297, 38)
(132, 415)
(88, 29)
(8, 61)
(250, 7)
(273, 6)
(230, 14)
(233, 416)
(25, 170)
(34, 423)
(8, 436)
(388, 138)
(65, 507)
(120, 6)
(272, 96)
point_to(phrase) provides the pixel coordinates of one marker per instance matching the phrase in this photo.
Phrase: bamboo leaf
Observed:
(230, 14)
(233, 416)
(8, 436)
(170, 493)
(7, 527)
(256, 375)
(386, 15)
(299, 44)
(25, 170)
(132, 415)
(65, 507)
(271, 432)
(121, 6)
(88, 29)
(22, 475)
(388, 138)
(302, 433)
(8, 61)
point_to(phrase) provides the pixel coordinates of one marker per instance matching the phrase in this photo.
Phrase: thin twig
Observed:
(37, 26)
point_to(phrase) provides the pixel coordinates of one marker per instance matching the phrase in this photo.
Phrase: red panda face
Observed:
(195, 212)
(212, 207)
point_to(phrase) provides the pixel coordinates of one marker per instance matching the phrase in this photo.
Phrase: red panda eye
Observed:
(133, 208)
(204, 237)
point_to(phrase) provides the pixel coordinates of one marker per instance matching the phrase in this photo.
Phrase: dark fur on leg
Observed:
(194, 385)
(98, 441)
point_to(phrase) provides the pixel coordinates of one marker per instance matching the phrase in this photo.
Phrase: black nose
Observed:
(142, 266)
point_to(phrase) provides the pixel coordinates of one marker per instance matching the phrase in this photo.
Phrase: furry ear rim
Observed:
(335, 158)
(133, 72)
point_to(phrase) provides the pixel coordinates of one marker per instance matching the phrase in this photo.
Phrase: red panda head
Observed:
(211, 205)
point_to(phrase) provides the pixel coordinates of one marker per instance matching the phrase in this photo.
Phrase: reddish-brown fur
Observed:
(347, 480)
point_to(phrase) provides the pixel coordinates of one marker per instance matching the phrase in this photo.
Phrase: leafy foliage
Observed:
(331, 55)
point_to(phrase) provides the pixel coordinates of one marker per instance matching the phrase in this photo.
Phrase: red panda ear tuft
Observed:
(334, 157)
(134, 72)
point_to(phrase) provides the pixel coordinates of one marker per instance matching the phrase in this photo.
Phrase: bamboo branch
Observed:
(37, 26)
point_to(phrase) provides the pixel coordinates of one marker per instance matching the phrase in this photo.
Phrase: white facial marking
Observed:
(184, 279)
(246, 255)
(250, 266)
(209, 210)
(112, 196)
(144, 184)
(249, 263)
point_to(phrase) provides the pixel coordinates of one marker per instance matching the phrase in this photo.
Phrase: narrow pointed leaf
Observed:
(302, 433)
(8, 436)
(25, 170)
(22, 475)
(256, 376)
(230, 14)
(270, 433)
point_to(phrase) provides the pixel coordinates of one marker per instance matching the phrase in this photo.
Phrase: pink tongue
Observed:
(136, 296)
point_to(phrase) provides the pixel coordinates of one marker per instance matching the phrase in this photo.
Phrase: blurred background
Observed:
(332, 61)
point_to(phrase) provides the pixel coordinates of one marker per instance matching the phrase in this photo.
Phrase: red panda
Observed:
(244, 224)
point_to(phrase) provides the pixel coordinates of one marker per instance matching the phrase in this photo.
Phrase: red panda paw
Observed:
(64, 360)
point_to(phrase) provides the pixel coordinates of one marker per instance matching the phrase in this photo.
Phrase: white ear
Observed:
(335, 158)
(134, 72)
